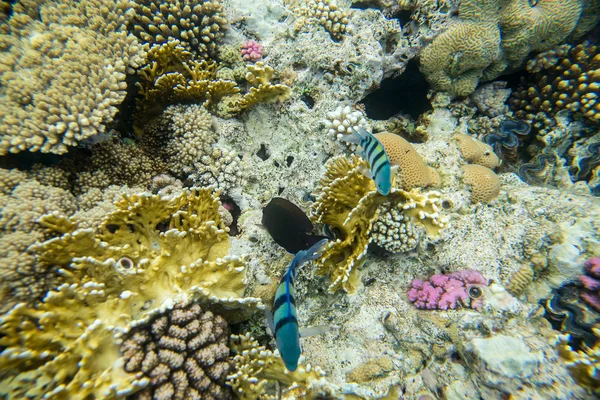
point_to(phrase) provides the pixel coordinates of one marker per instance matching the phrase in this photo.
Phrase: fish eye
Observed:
(475, 292)
(125, 263)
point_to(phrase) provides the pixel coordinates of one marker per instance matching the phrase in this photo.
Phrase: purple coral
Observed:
(252, 51)
(591, 283)
(444, 291)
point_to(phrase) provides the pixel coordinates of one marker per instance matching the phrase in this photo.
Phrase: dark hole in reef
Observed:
(406, 94)
(276, 163)
(404, 17)
(131, 228)
(263, 153)
(112, 228)
(289, 160)
(124, 118)
(235, 211)
(280, 190)
(308, 100)
(375, 250)
(163, 226)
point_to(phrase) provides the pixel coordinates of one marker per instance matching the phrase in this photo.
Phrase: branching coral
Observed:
(198, 24)
(340, 121)
(62, 73)
(563, 81)
(584, 364)
(183, 352)
(255, 366)
(220, 168)
(323, 12)
(347, 201)
(145, 257)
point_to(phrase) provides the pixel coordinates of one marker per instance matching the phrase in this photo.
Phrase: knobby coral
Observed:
(145, 257)
(591, 283)
(446, 291)
(347, 201)
(62, 73)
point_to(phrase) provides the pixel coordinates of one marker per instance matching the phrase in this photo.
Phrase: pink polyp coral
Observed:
(252, 51)
(591, 283)
(444, 291)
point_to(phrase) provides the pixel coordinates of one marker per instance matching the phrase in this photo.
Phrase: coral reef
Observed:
(583, 364)
(394, 231)
(63, 73)
(322, 12)
(484, 183)
(347, 201)
(508, 138)
(220, 168)
(145, 257)
(252, 51)
(476, 151)
(183, 352)
(198, 25)
(488, 38)
(591, 283)
(340, 121)
(562, 80)
(445, 291)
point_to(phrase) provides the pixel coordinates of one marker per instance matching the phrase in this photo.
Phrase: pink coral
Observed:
(444, 291)
(252, 51)
(591, 283)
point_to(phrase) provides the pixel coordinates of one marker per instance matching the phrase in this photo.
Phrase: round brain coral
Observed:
(476, 151)
(413, 170)
(485, 185)
(183, 352)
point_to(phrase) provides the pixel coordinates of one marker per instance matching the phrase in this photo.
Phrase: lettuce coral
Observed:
(148, 255)
(347, 201)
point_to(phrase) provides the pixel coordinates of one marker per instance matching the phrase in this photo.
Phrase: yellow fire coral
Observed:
(148, 255)
(348, 202)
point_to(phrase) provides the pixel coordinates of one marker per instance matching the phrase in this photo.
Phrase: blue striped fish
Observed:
(285, 321)
(373, 151)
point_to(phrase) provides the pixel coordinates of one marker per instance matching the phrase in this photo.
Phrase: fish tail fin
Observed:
(312, 253)
(353, 137)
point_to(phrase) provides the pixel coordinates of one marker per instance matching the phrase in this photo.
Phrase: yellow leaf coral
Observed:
(148, 255)
(347, 201)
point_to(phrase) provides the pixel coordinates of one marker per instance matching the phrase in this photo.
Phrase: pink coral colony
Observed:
(591, 283)
(252, 51)
(444, 291)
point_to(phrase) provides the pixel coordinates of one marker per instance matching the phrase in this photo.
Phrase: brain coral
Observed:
(347, 201)
(145, 257)
(491, 37)
(485, 185)
(62, 73)
(476, 151)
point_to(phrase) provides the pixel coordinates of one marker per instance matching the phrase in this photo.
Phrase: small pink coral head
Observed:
(592, 266)
(252, 51)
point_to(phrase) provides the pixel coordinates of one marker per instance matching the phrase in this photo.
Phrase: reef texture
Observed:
(489, 38)
(145, 257)
(62, 72)
(591, 283)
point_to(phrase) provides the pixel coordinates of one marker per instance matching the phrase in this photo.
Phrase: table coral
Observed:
(198, 24)
(183, 352)
(446, 291)
(145, 257)
(347, 201)
(62, 73)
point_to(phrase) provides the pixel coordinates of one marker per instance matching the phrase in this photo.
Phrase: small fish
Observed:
(288, 225)
(284, 321)
(373, 151)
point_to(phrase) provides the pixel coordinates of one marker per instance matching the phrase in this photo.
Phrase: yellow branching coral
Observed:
(148, 255)
(347, 201)
(255, 366)
(584, 365)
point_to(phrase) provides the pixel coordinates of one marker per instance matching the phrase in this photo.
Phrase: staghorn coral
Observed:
(182, 352)
(412, 171)
(255, 366)
(323, 12)
(198, 24)
(491, 37)
(62, 73)
(562, 81)
(484, 183)
(146, 256)
(347, 201)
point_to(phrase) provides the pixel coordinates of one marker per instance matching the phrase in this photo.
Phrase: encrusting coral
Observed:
(347, 201)
(145, 257)
(183, 352)
(198, 24)
(62, 73)
(491, 37)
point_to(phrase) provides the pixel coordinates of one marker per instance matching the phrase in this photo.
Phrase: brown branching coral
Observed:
(145, 257)
(322, 12)
(347, 201)
(183, 352)
(564, 80)
(198, 24)
(62, 73)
